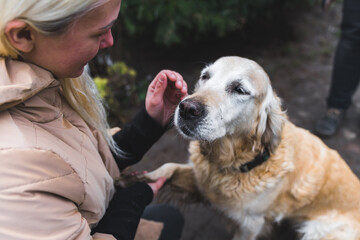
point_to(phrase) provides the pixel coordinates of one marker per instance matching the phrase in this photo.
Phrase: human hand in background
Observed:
(164, 93)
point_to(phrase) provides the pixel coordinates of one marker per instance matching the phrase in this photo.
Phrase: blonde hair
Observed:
(51, 18)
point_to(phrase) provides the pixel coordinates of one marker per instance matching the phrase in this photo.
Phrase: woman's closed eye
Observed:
(102, 33)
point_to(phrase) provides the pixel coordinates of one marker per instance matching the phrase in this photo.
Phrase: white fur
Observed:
(167, 170)
(219, 120)
(330, 226)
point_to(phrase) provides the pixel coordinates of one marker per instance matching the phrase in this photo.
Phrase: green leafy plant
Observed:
(173, 22)
(101, 84)
(120, 91)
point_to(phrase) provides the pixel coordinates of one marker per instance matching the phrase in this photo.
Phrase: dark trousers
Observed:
(346, 69)
(171, 217)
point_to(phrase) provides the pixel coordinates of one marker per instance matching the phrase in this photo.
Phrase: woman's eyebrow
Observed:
(108, 26)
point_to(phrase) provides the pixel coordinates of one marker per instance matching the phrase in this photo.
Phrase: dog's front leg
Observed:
(250, 228)
(180, 185)
(167, 170)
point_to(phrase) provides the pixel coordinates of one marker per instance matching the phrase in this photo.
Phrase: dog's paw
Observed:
(167, 170)
(129, 177)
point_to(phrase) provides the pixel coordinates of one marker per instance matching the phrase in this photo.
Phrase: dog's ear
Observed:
(271, 121)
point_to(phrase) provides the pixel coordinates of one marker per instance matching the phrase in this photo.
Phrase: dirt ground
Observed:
(298, 57)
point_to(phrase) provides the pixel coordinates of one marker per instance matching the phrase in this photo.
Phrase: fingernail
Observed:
(161, 78)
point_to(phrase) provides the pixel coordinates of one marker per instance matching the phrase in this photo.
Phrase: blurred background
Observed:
(293, 40)
(184, 36)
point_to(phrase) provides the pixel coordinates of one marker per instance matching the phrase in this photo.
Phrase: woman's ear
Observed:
(20, 35)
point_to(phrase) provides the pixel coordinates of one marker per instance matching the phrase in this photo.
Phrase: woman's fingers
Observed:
(155, 186)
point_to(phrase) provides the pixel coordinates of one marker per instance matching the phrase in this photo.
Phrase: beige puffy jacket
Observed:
(56, 172)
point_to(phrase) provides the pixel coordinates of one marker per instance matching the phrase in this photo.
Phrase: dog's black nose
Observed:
(190, 109)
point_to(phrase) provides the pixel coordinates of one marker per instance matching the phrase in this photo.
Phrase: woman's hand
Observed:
(155, 186)
(164, 93)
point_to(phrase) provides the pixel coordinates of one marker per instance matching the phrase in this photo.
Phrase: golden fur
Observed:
(302, 180)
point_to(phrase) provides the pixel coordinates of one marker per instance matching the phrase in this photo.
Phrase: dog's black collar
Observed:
(259, 159)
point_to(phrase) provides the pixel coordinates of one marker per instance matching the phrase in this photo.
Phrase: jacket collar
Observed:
(19, 81)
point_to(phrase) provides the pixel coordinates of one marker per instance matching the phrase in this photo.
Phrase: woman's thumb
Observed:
(155, 186)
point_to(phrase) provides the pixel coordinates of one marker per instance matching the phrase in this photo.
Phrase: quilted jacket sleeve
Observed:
(39, 197)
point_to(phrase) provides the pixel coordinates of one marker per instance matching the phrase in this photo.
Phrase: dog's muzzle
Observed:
(191, 112)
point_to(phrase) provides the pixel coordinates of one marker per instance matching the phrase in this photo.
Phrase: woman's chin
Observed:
(74, 74)
(78, 73)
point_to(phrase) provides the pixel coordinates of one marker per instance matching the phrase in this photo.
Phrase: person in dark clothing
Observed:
(346, 70)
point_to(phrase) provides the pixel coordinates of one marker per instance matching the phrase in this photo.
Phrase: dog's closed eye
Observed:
(205, 76)
(238, 88)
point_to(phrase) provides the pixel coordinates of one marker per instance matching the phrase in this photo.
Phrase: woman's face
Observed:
(67, 54)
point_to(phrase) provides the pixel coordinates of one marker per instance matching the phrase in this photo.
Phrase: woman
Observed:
(57, 160)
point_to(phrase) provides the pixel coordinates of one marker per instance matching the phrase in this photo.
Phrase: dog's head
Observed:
(232, 97)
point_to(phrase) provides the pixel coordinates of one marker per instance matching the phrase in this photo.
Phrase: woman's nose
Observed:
(107, 41)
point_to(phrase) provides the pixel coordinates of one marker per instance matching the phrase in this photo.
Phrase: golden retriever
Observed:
(252, 164)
